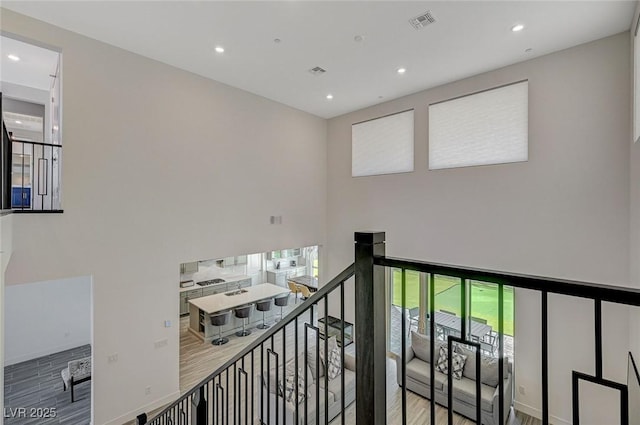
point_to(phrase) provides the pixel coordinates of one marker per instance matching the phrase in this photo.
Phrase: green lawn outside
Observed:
(484, 298)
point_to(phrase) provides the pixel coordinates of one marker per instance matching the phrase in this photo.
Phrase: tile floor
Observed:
(36, 385)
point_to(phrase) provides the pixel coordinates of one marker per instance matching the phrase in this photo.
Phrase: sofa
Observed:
(418, 373)
(272, 393)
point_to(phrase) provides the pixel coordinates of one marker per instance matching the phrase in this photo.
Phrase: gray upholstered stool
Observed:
(243, 313)
(220, 319)
(264, 305)
(282, 302)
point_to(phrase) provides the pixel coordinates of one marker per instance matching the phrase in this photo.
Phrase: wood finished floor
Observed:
(37, 384)
(198, 360)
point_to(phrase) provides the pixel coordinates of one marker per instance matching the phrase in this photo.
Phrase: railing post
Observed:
(370, 338)
(199, 409)
(141, 419)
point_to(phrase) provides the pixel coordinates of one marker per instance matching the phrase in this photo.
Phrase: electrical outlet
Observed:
(521, 389)
(112, 358)
(167, 323)
(161, 343)
(147, 390)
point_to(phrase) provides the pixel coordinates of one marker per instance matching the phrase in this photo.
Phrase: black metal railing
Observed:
(30, 174)
(633, 386)
(370, 270)
(35, 180)
(264, 381)
(235, 393)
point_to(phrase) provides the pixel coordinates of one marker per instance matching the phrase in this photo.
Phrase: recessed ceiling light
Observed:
(329, 96)
(276, 40)
(401, 70)
(219, 49)
(517, 28)
(18, 122)
(358, 38)
(529, 50)
(14, 58)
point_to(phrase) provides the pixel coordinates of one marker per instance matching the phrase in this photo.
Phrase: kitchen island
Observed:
(196, 290)
(201, 308)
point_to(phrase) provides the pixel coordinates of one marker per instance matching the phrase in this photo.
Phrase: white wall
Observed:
(564, 213)
(634, 215)
(46, 317)
(160, 167)
(6, 240)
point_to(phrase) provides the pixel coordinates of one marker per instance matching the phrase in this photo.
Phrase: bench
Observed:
(77, 372)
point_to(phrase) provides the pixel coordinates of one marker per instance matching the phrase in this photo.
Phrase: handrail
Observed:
(32, 142)
(295, 313)
(610, 293)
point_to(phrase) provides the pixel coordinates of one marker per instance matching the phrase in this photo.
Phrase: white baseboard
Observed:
(129, 418)
(537, 413)
(8, 361)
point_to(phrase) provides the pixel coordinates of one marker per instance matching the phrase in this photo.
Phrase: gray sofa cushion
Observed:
(488, 367)
(465, 390)
(421, 346)
(420, 371)
(335, 385)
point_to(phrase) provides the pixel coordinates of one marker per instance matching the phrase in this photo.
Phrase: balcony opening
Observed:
(30, 101)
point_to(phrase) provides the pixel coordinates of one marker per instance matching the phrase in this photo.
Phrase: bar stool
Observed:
(220, 319)
(281, 302)
(264, 305)
(243, 313)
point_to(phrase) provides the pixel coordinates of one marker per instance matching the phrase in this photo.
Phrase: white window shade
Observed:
(383, 145)
(489, 127)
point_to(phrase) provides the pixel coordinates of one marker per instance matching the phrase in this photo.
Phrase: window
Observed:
(490, 127)
(382, 145)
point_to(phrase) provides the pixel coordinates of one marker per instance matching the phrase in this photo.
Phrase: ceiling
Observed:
(468, 38)
(34, 67)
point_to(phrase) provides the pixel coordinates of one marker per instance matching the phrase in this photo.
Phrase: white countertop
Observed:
(228, 279)
(284, 269)
(219, 302)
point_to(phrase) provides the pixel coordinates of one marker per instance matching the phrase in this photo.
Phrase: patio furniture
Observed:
(451, 325)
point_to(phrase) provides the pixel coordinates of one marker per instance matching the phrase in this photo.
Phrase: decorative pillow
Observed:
(457, 363)
(332, 344)
(289, 389)
(488, 367)
(311, 357)
(334, 368)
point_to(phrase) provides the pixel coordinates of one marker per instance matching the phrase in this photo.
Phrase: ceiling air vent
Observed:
(317, 71)
(423, 20)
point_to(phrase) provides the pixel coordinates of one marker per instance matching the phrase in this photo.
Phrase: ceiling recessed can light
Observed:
(18, 122)
(529, 50)
(219, 49)
(14, 58)
(401, 70)
(358, 38)
(518, 27)
(329, 96)
(276, 40)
